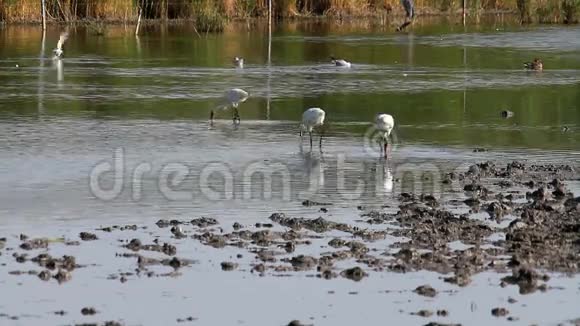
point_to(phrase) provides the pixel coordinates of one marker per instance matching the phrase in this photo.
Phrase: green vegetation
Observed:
(549, 11)
(210, 15)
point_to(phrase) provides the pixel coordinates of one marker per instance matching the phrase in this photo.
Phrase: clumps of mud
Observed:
(426, 291)
(87, 236)
(542, 233)
(527, 223)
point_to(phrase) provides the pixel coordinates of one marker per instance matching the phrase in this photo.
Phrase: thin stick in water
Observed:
(138, 21)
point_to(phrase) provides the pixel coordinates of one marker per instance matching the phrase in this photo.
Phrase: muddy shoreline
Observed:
(519, 220)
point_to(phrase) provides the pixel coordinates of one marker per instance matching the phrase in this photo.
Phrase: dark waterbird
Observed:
(536, 65)
(410, 14)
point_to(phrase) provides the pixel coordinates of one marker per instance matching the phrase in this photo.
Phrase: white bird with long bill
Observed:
(233, 98)
(312, 118)
(384, 124)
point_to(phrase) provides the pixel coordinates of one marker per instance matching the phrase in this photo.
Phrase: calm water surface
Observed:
(144, 103)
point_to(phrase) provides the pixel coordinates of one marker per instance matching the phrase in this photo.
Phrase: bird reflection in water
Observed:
(384, 177)
(59, 72)
(313, 166)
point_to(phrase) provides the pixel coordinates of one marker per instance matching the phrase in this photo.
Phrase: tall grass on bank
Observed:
(212, 13)
(549, 11)
(208, 18)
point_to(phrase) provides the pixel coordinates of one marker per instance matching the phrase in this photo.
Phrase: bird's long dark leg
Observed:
(310, 133)
(404, 25)
(386, 147)
(320, 142)
(211, 114)
(236, 117)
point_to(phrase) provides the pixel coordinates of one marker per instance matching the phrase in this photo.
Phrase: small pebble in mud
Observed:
(426, 290)
(239, 256)
(86, 236)
(62, 276)
(260, 268)
(20, 258)
(23, 237)
(134, 244)
(177, 232)
(336, 243)
(237, 226)
(512, 318)
(204, 222)
(188, 319)
(355, 273)
(86, 311)
(228, 266)
(296, 323)
(479, 150)
(175, 262)
(163, 223)
(112, 323)
(44, 275)
(34, 244)
(499, 312)
(264, 225)
(60, 312)
(442, 313)
(289, 246)
(327, 274)
(511, 300)
(423, 313)
(324, 210)
(314, 203)
(168, 249)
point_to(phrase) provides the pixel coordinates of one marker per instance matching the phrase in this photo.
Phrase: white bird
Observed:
(239, 62)
(340, 62)
(58, 51)
(233, 98)
(312, 118)
(384, 124)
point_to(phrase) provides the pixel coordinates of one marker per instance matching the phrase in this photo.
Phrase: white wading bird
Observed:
(239, 62)
(233, 98)
(312, 118)
(340, 62)
(385, 123)
(58, 51)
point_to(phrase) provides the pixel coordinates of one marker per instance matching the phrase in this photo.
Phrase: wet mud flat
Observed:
(518, 220)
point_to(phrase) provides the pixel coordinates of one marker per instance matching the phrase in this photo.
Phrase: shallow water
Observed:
(144, 103)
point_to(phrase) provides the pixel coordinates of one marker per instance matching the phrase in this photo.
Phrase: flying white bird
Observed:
(312, 118)
(384, 124)
(340, 62)
(58, 51)
(239, 62)
(233, 98)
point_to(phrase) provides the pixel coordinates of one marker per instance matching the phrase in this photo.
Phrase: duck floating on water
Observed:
(340, 62)
(536, 65)
(239, 62)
